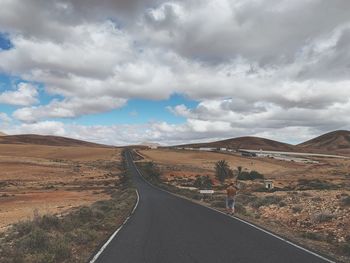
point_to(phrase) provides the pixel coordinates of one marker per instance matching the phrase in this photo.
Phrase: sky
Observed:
(129, 71)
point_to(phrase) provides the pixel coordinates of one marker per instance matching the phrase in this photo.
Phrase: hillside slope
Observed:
(45, 140)
(336, 141)
(248, 142)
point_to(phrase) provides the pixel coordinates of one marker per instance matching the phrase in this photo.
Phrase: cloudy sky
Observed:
(128, 71)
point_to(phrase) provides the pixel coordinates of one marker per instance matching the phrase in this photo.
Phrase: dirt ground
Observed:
(188, 164)
(50, 179)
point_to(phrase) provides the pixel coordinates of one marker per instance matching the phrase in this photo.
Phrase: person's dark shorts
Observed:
(230, 203)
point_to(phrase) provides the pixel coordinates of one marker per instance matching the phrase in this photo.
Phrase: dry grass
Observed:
(53, 179)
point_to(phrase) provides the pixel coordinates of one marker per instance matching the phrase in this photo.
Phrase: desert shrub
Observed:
(322, 217)
(60, 249)
(316, 199)
(306, 194)
(282, 204)
(246, 198)
(203, 182)
(267, 200)
(345, 201)
(256, 175)
(23, 228)
(239, 208)
(306, 184)
(218, 204)
(49, 222)
(35, 258)
(312, 235)
(297, 209)
(36, 240)
(252, 175)
(84, 214)
(346, 248)
(84, 236)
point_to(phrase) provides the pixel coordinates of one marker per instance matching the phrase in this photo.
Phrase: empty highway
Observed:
(169, 229)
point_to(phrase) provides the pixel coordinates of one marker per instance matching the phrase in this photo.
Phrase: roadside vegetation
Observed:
(71, 237)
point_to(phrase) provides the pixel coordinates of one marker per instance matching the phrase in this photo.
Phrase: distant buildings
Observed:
(153, 146)
(248, 154)
(206, 149)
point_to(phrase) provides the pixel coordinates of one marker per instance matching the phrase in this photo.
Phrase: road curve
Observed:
(169, 229)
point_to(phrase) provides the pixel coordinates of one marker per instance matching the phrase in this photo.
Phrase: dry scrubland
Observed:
(51, 179)
(311, 204)
(57, 204)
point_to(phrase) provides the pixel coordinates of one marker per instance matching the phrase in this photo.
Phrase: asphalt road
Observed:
(169, 229)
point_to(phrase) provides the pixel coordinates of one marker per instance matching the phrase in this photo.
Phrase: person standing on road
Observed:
(230, 198)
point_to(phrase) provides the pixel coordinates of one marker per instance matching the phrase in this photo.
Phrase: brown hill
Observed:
(46, 140)
(336, 141)
(247, 142)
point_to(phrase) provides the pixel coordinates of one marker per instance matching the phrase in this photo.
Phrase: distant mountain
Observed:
(2, 134)
(336, 141)
(150, 144)
(247, 142)
(45, 140)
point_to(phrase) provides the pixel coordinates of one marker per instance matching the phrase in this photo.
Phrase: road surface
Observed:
(169, 229)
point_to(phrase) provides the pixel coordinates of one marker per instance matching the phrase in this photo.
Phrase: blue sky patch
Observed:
(138, 111)
(5, 42)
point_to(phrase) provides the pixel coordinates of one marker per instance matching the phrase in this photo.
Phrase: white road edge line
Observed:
(116, 232)
(245, 222)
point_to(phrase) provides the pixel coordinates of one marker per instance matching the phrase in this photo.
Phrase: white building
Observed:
(206, 149)
(268, 184)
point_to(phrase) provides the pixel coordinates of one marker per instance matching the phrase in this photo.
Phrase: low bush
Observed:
(312, 236)
(240, 209)
(314, 184)
(316, 199)
(346, 248)
(252, 175)
(203, 182)
(267, 200)
(297, 209)
(49, 238)
(246, 198)
(322, 217)
(345, 201)
(282, 204)
(218, 204)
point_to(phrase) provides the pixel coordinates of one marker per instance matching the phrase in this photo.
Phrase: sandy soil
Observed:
(207, 160)
(52, 179)
(190, 163)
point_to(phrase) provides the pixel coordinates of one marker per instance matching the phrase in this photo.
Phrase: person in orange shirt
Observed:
(230, 198)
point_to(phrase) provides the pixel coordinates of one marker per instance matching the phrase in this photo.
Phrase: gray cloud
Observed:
(253, 65)
(68, 108)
